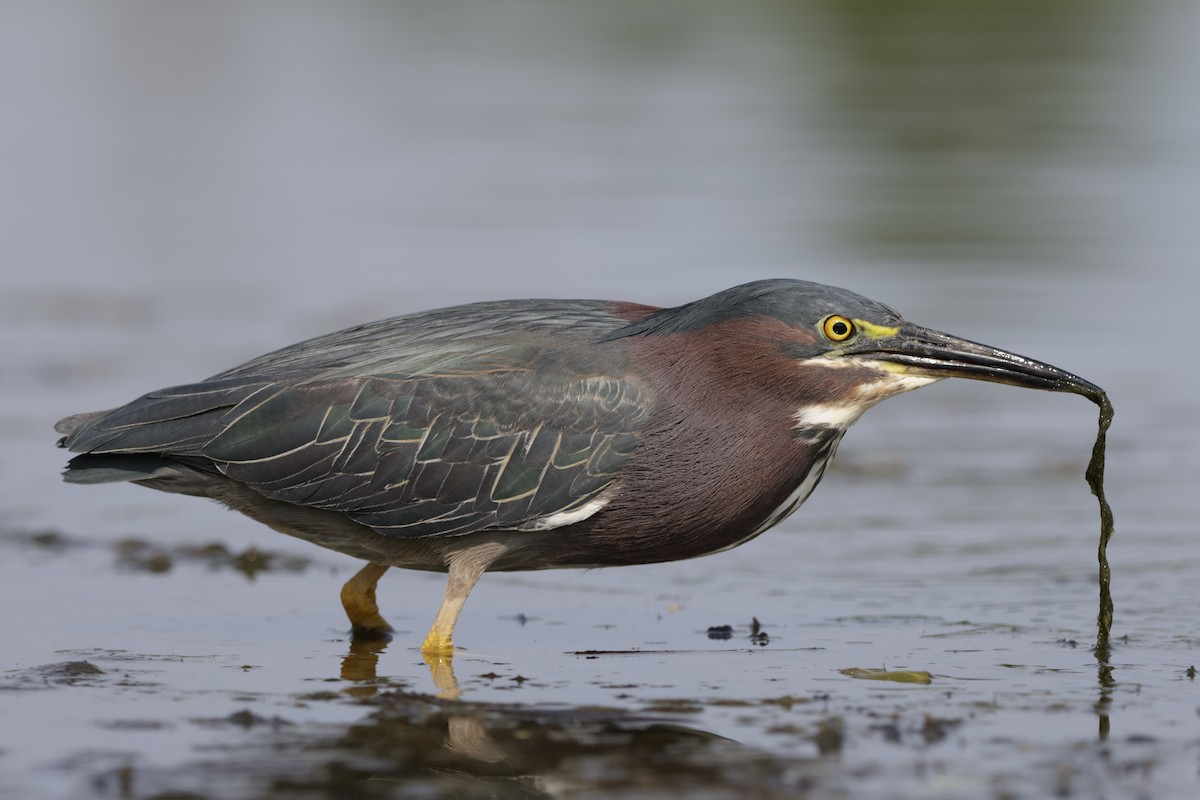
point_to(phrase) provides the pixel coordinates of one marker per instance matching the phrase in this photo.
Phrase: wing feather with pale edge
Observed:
(406, 455)
(435, 456)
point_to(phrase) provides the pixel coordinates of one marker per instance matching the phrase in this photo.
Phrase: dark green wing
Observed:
(501, 432)
(409, 457)
(435, 456)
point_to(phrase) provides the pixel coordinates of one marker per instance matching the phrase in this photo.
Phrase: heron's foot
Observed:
(437, 645)
(366, 621)
(360, 633)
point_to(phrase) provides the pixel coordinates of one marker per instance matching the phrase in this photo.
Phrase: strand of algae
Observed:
(1095, 479)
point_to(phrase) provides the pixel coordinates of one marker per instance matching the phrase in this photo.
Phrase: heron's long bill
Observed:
(923, 351)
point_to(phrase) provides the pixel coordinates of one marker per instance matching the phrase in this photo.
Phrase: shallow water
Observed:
(186, 189)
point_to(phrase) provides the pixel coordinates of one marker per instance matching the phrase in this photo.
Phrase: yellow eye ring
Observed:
(837, 328)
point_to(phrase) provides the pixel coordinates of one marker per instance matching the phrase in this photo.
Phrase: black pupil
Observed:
(840, 329)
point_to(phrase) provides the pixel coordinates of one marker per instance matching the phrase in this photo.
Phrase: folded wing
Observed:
(510, 438)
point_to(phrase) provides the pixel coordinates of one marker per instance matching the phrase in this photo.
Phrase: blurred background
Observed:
(336, 160)
(186, 185)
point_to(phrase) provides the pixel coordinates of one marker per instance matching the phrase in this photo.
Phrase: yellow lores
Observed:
(873, 331)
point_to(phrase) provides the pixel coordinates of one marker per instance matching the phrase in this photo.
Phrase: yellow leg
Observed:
(440, 640)
(358, 598)
(465, 567)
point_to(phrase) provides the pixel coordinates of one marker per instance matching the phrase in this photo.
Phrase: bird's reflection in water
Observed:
(441, 670)
(361, 667)
(466, 735)
(414, 746)
(411, 742)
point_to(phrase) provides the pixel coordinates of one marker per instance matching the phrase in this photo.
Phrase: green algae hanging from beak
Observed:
(1095, 479)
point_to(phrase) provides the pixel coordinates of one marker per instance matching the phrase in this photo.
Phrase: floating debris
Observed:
(894, 675)
(141, 555)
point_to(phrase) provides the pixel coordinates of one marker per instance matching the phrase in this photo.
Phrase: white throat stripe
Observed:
(829, 415)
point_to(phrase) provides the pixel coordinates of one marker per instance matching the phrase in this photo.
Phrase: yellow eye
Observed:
(837, 329)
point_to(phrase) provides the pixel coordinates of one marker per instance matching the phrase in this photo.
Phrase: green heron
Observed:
(534, 434)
